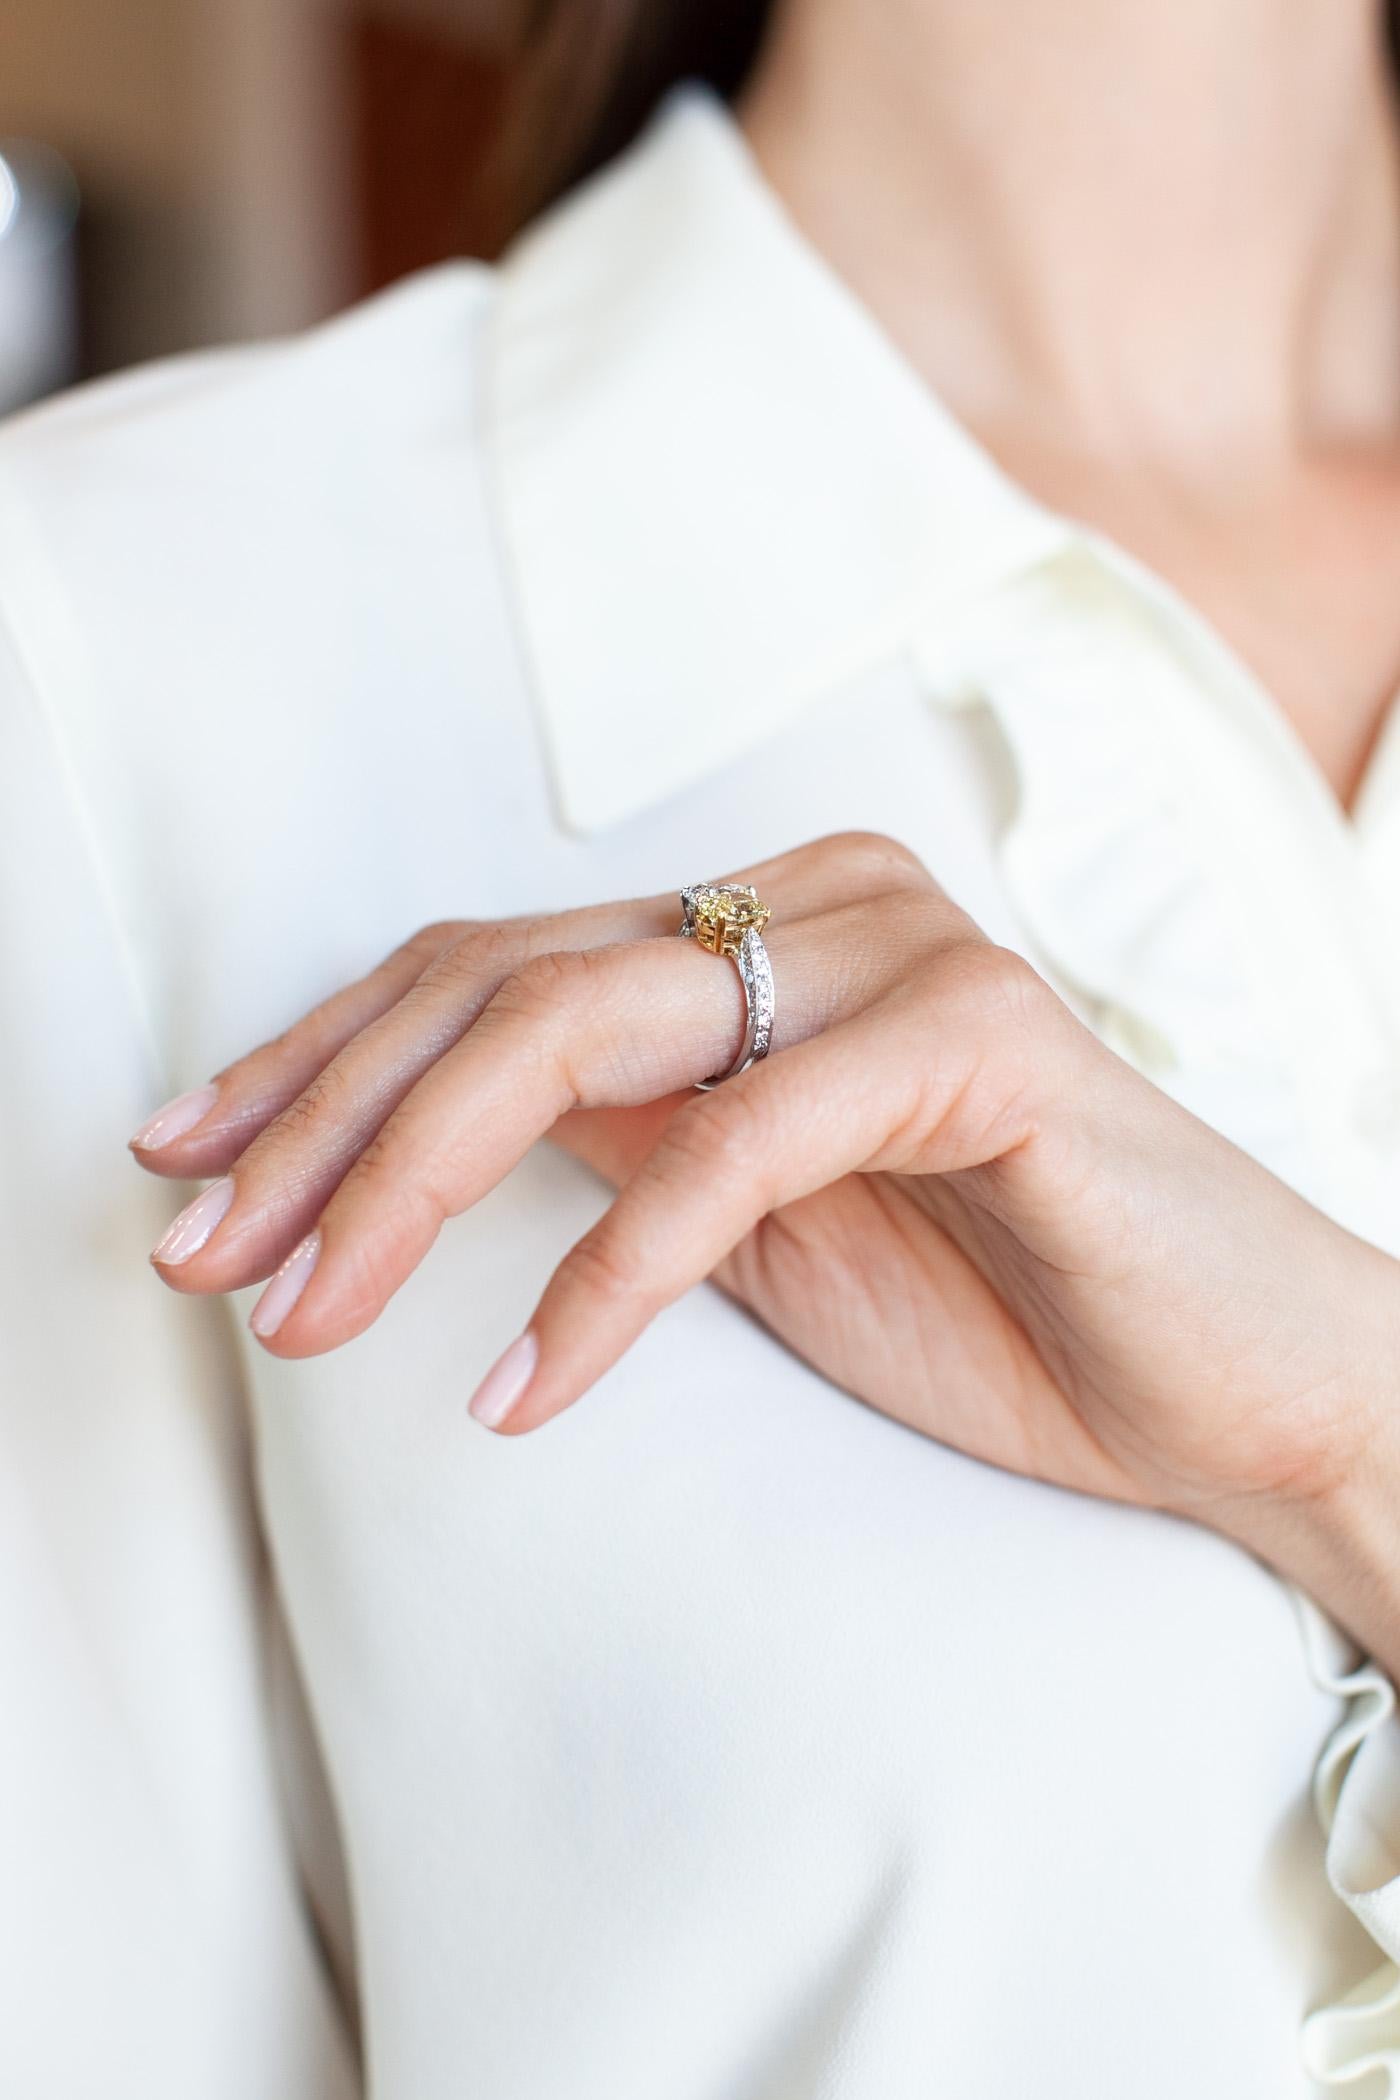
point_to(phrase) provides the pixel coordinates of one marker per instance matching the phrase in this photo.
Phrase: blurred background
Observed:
(177, 172)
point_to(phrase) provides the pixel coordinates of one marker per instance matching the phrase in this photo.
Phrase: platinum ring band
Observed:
(756, 976)
(749, 956)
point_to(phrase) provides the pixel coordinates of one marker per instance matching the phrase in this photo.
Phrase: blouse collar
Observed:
(722, 490)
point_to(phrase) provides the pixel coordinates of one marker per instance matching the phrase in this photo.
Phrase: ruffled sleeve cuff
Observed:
(1356, 1795)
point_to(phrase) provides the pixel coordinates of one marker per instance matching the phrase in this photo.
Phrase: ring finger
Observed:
(613, 1026)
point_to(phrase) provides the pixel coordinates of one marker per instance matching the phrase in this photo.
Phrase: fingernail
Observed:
(505, 1381)
(175, 1119)
(187, 1233)
(285, 1287)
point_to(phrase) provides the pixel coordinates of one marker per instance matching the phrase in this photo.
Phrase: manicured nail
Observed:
(505, 1381)
(285, 1287)
(175, 1120)
(187, 1233)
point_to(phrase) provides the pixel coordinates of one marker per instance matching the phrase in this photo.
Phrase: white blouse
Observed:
(725, 1740)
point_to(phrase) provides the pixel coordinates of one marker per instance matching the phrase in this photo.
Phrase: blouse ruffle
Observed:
(1101, 861)
(1356, 1797)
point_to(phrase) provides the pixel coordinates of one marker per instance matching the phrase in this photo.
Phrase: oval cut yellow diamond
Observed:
(724, 912)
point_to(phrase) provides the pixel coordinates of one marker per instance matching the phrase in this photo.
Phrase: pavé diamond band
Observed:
(728, 919)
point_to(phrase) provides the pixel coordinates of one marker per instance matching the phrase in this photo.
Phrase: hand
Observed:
(941, 1189)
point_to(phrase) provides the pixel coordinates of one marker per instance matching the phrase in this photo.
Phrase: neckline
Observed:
(1350, 827)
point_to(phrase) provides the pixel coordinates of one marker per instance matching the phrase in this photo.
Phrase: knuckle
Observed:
(717, 1135)
(399, 1200)
(991, 984)
(284, 1048)
(542, 984)
(372, 1169)
(601, 1265)
(480, 956)
(323, 1100)
(873, 860)
(915, 923)
(429, 942)
(998, 1018)
(541, 1004)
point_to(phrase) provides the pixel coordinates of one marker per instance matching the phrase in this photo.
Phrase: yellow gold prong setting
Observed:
(719, 914)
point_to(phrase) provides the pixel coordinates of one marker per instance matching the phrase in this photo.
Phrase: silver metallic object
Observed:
(728, 918)
(38, 273)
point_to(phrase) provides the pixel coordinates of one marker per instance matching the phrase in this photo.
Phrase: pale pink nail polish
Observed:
(187, 1233)
(175, 1120)
(285, 1287)
(505, 1382)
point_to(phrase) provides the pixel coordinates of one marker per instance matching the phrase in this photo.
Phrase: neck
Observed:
(1172, 227)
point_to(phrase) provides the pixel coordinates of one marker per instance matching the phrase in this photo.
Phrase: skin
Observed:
(989, 179)
(941, 1189)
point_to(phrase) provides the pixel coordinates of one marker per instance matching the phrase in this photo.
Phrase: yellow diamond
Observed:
(724, 912)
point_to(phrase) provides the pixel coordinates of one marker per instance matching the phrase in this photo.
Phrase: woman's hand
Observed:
(942, 1190)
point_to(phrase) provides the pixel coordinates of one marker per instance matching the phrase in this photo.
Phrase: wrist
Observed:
(1346, 1555)
(1335, 1530)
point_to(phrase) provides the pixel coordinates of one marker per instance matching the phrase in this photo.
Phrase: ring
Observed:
(728, 918)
